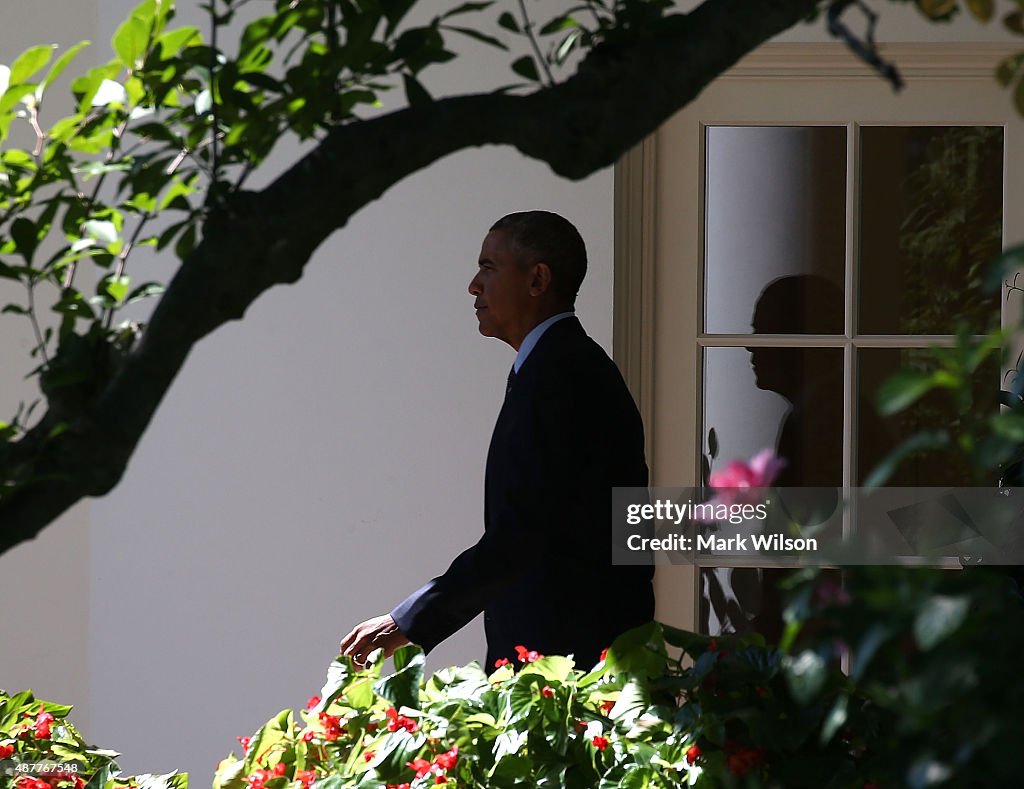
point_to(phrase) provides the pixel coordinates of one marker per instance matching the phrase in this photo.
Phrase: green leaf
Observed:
(402, 688)
(172, 42)
(145, 291)
(938, 618)
(58, 68)
(632, 701)
(902, 389)
(836, 718)
(1014, 22)
(981, 9)
(338, 675)
(1007, 69)
(102, 230)
(114, 287)
(29, 62)
(525, 67)
(805, 675)
(130, 41)
(556, 24)
(269, 734)
(507, 21)
(109, 92)
(1009, 424)
(937, 9)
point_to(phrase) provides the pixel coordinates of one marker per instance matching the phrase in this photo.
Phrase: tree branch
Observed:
(253, 241)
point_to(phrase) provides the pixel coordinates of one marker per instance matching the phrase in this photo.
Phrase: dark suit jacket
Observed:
(567, 432)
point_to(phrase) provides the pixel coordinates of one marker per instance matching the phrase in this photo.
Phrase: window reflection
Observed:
(931, 220)
(775, 206)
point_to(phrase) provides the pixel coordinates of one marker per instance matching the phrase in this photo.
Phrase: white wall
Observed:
(310, 466)
(44, 585)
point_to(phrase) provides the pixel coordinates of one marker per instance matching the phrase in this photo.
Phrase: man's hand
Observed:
(380, 632)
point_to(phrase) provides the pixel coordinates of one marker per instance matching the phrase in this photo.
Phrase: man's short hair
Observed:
(545, 237)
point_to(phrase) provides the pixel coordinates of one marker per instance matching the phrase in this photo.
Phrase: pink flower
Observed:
(527, 655)
(738, 476)
(245, 742)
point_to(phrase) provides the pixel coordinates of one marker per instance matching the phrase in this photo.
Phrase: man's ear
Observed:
(540, 283)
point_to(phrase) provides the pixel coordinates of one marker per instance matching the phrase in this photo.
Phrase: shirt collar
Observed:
(535, 334)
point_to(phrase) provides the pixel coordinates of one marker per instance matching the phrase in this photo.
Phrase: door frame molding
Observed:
(635, 188)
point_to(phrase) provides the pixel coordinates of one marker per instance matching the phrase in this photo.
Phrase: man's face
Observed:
(502, 287)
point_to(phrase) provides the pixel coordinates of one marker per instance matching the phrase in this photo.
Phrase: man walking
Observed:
(568, 432)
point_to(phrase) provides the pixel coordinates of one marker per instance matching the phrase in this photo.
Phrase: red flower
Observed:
(446, 761)
(693, 753)
(580, 726)
(606, 706)
(257, 778)
(420, 765)
(245, 742)
(6, 751)
(397, 786)
(547, 691)
(527, 655)
(760, 691)
(32, 783)
(368, 756)
(503, 661)
(604, 654)
(712, 645)
(739, 759)
(305, 777)
(332, 726)
(600, 742)
(396, 721)
(313, 701)
(42, 724)
(307, 736)
(280, 768)
(372, 726)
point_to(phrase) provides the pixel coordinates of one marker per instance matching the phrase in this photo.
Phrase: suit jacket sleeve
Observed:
(546, 430)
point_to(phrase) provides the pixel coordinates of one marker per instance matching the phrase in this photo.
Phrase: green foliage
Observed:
(930, 698)
(37, 741)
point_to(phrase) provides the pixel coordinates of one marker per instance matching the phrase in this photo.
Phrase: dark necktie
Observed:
(511, 379)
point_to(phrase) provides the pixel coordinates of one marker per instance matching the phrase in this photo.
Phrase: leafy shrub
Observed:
(41, 749)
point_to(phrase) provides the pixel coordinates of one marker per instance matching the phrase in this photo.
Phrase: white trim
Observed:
(835, 61)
